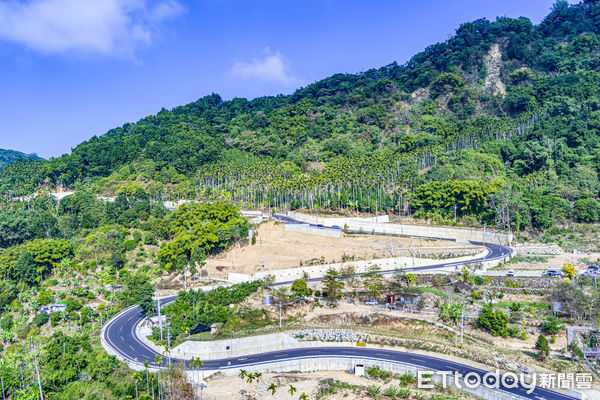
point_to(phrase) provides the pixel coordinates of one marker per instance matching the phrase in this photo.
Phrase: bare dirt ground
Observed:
(277, 249)
(221, 387)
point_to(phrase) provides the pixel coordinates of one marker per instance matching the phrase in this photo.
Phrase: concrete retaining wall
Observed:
(318, 271)
(306, 228)
(382, 226)
(219, 349)
(349, 364)
(337, 363)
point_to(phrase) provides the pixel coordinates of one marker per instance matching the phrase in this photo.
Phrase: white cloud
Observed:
(108, 27)
(274, 67)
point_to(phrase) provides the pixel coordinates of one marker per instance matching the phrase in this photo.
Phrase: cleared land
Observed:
(330, 385)
(277, 249)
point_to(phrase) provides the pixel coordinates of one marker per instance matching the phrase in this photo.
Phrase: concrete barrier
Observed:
(362, 266)
(306, 228)
(318, 363)
(341, 363)
(378, 225)
(219, 349)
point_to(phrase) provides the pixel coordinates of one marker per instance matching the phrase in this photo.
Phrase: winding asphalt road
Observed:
(119, 334)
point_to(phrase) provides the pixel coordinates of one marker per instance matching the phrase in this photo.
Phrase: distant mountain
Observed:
(10, 156)
(499, 123)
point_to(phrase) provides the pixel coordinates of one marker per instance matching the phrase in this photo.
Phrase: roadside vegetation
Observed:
(429, 141)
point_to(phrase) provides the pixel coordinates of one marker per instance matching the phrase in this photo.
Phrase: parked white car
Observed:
(371, 302)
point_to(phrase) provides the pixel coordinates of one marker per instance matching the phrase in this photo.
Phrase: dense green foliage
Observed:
(454, 135)
(8, 157)
(71, 367)
(33, 261)
(495, 321)
(199, 229)
(543, 346)
(196, 307)
(368, 141)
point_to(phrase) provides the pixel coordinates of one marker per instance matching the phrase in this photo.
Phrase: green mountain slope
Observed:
(501, 107)
(10, 156)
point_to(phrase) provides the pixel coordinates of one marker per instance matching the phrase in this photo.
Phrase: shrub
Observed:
(575, 350)
(407, 378)
(149, 238)
(514, 331)
(495, 321)
(478, 280)
(6, 322)
(373, 390)
(404, 393)
(509, 283)
(45, 297)
(476, 295)
(569, 270)
(40, 319)
(55, 318)
(543, 346)
(300, 288)
(551, 325)
(377, 373)
(586, 210)
(21, 331)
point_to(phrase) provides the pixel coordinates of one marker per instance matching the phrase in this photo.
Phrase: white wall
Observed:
(383, 226)
(306, 228)
(318, 271)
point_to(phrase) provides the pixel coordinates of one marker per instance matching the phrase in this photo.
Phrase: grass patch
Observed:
(432, 290)
(532, 259)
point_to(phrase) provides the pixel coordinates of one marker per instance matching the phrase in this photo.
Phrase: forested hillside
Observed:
(503, 116)
(499, 125)
(10, 156)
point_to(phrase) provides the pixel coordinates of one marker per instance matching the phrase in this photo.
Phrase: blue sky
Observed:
(70, 69)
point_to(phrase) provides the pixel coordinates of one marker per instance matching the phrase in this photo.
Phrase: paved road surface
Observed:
(120, 334)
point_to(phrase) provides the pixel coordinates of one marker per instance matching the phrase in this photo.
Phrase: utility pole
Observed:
(169, 346)
(280, 324)
(455, 213)
(462, 328)
(160, 320)
(412, 251)
(37, 371)
(456, 337)
(509, 237)
(231, 342)
(484, 225)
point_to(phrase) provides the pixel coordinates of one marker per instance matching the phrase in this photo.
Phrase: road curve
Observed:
(119, 337)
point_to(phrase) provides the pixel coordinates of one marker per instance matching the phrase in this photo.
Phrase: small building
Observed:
(408, 302)
(557, 308)
(408, 298)
(112, 288)
(58, 307)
